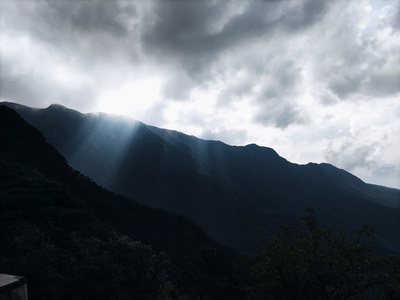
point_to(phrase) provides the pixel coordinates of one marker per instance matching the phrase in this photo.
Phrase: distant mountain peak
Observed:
(56, 105)
(59, 107)
(261, 150)
(252, 146)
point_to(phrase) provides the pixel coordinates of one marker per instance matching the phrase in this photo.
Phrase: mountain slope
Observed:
(24, 145)
(232, 192)
(66, 234)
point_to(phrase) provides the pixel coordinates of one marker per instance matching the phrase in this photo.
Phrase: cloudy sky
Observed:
(315, 80)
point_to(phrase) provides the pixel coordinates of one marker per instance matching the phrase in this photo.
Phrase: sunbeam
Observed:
(104, 140)
(134, 98)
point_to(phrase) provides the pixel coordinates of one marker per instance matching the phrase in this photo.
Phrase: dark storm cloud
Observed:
(209, 27)
(198, 41)
(103, 31)
(92, 39)
(82, 18)
(310, 12)
(87, 31)
(259, 67)
(195, 37)
(107, 18)
(281, 114)
(187, 41)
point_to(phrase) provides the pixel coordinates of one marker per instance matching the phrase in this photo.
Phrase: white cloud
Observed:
(316, 80)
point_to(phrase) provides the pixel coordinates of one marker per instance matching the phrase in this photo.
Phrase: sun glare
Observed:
(131, 99)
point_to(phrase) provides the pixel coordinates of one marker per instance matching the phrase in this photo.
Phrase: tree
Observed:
(306, 261)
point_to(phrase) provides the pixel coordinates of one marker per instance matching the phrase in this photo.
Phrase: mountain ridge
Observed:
(231, 191)
(72, 239)
(46, 162)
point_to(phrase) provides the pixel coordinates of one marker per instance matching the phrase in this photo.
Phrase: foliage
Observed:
(306, 261)
(72, 239)
(83, 268)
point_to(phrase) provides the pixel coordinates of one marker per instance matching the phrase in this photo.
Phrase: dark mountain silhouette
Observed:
(25, 147)
(72, 239)
(232, 192)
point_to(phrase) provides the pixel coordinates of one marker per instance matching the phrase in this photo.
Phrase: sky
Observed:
(318, 81)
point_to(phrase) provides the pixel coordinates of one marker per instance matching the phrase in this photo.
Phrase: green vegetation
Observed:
(72, 239)
(64, 257)
(81, 242)
(306, 261)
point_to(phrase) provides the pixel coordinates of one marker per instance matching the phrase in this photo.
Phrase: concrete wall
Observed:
(13, 287)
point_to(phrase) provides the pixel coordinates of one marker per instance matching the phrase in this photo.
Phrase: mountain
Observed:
(25, 147)
(232, 192)
(72, 239)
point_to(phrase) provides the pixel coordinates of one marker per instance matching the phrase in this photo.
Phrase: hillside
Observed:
(232, 192)
(72, 239)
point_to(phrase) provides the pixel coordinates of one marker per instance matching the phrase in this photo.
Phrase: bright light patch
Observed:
(131, 99)
(69, 77)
